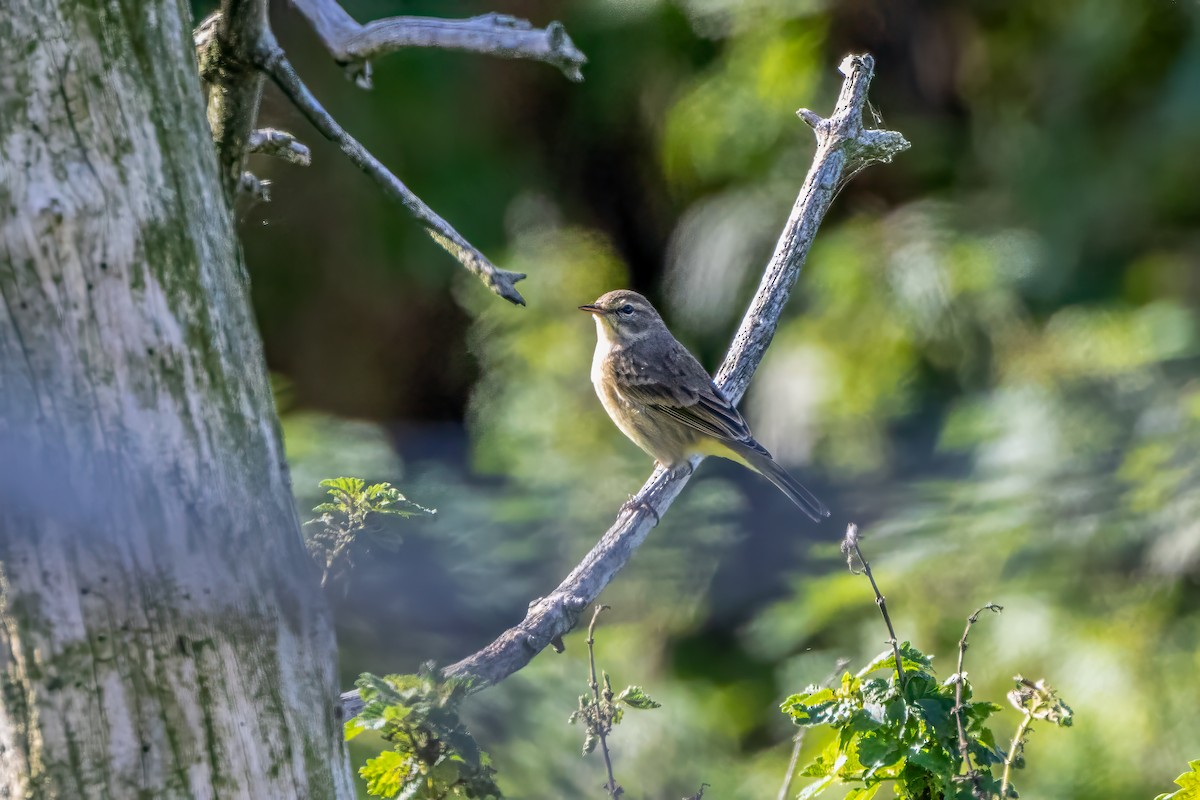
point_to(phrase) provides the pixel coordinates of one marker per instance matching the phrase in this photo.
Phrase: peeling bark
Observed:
(161, 632)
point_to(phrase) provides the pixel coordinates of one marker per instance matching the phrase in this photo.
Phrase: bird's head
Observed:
(623, 316)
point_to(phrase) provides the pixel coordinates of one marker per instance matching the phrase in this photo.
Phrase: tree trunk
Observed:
(161, 631)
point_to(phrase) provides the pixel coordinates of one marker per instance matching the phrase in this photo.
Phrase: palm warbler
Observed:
(664, 401)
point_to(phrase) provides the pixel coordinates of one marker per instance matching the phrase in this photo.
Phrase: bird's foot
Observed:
(633, 504)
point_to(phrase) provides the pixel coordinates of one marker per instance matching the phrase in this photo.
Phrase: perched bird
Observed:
(660, 396)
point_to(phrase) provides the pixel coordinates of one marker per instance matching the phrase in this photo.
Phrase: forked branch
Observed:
(353, 45)
(842, 148)
(235, 47)
(271, 60)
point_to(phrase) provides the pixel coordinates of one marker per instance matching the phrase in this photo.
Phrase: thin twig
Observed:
(1037, 701)
(1017, 744)
(500, 35)
(797, 743)
(850, 545)
(271, 60)
(279, 144)
(961, 678)
(549, 617)
(601, 733)
(798, 739)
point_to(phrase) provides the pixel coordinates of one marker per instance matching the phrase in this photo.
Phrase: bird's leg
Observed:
(634, 503)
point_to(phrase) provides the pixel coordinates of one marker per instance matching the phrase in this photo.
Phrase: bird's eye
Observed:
(627, 309)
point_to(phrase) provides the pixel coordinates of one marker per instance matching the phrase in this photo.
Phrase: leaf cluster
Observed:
(345, 515)
(904, 731)
(600, 715)
(1038, 701)
(433, 755)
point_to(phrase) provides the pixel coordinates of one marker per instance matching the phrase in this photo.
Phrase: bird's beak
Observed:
(592, 308)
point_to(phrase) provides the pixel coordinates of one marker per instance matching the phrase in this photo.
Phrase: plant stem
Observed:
(1018, 738)
(851, 542)
(601, 727)
(963, 745)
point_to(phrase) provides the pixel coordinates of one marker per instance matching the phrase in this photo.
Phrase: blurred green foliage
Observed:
(331, 536)
(990, 362)
(432, 755)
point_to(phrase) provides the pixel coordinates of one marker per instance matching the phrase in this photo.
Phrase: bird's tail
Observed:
(806, 500)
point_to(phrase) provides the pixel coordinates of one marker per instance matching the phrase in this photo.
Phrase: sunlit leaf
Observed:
(1189, 785)
(635, 697)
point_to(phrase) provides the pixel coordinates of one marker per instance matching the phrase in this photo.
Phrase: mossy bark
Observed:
(161, 631)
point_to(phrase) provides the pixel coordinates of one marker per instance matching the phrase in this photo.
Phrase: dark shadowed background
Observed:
(990, 363)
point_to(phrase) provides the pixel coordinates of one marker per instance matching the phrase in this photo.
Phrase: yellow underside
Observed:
(712, 447)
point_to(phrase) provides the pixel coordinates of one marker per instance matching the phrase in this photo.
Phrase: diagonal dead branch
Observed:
(550, 617)
(271, 60)
(353, 45)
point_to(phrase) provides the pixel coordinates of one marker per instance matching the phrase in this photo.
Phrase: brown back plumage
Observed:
(661, 397)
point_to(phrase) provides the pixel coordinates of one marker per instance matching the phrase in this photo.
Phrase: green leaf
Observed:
(814, 789)
(635, 697)
(809, 708)
(934, 760)
(352, 728)
(385, 773)
(886, 659)
(1189, 783)
(914, 661)
(464, 744)
(372, 687)
(877, 750)
(920, 686)
(822, 764)
(863, 793)
(867, 718)
(446, 773)
(936, 711)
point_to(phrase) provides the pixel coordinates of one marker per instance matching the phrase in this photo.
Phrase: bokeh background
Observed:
(990, 364)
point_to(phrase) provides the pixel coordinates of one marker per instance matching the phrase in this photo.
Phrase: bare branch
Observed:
(960, 678)
(552, 616)
(271, 59)
(280, 144)
(353, 45)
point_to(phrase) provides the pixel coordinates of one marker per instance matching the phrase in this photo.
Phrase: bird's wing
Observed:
(677, 385)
